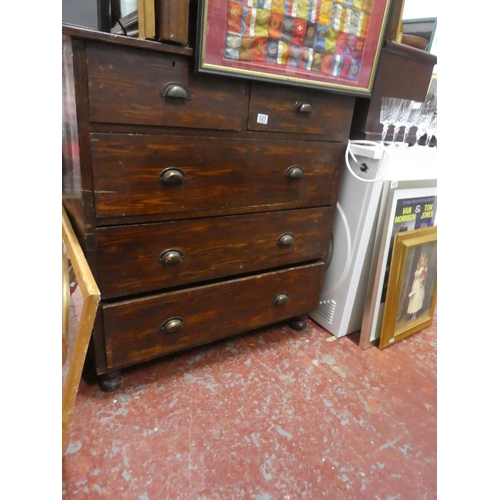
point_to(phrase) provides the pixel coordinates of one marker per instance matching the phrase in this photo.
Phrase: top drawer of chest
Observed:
(128, 86)
(299, 110)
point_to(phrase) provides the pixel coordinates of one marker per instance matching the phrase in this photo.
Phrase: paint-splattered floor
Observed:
(272, 414)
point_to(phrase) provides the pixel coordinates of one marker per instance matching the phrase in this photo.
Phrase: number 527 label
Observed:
(262, 118)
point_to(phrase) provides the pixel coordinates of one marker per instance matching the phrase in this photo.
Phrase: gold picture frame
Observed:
(412, 289)
(146, 19)
(394, 28)
(75, 337)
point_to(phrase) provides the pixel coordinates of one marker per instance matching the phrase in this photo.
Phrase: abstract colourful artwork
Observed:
(327, 43)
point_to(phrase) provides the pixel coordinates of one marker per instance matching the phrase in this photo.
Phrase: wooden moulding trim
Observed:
(91, 298)
(88, 34)
(406, 51)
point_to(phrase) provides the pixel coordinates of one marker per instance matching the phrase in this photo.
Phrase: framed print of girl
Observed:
(412, 287)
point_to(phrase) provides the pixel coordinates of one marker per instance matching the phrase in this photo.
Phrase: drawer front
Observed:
(148, 257)
(133, 329)
(208, 173)
(300, 111)
(125, 86)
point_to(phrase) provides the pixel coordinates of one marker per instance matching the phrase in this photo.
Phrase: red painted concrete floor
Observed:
(271, 414)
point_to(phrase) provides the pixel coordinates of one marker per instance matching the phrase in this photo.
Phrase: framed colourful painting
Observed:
(328, 44)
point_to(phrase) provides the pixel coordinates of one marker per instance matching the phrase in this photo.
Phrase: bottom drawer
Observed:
(141, 329)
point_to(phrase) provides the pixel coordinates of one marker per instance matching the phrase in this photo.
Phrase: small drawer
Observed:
(134, 86)
(142, 258)
(142, 329)
(153, 174)
(299, 110)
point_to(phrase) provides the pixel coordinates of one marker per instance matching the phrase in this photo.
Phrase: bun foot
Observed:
(110, 381)
(298, 323)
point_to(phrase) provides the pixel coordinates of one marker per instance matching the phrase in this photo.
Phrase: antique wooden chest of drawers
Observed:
(197, 221)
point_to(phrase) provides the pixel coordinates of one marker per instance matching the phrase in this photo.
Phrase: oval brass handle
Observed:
(175, 89)
(281, 298)
(294, 172)
(171, 256)
(302, 107)
(285, 240)
(172, 325)
(172, 176)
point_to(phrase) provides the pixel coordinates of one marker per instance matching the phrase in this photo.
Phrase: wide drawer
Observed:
(207, 173)
(300, 111)
(148, 257)
(125, 86)
(141, 329)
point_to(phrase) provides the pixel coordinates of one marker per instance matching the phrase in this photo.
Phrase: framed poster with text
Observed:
(328, 44)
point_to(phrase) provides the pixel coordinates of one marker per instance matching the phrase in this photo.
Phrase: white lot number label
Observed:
(262, 118)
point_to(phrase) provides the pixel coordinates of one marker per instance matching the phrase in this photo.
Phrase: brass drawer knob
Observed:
(281, 299)
(176, 90)
(172, 325)
(285, 240)
(294, 172)
(172, 176)
(302, 107)
(171, 256)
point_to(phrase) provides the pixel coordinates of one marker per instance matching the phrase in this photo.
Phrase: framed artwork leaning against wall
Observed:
(406, 205)
(412, 289)
(76, 335)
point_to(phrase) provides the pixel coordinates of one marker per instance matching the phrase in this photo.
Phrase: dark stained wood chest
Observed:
(198, 221)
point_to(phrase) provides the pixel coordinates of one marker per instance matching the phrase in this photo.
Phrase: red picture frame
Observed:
(328, 44)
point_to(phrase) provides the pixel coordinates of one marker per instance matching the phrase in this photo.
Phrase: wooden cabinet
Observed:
(198, 220)
(404, 72)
